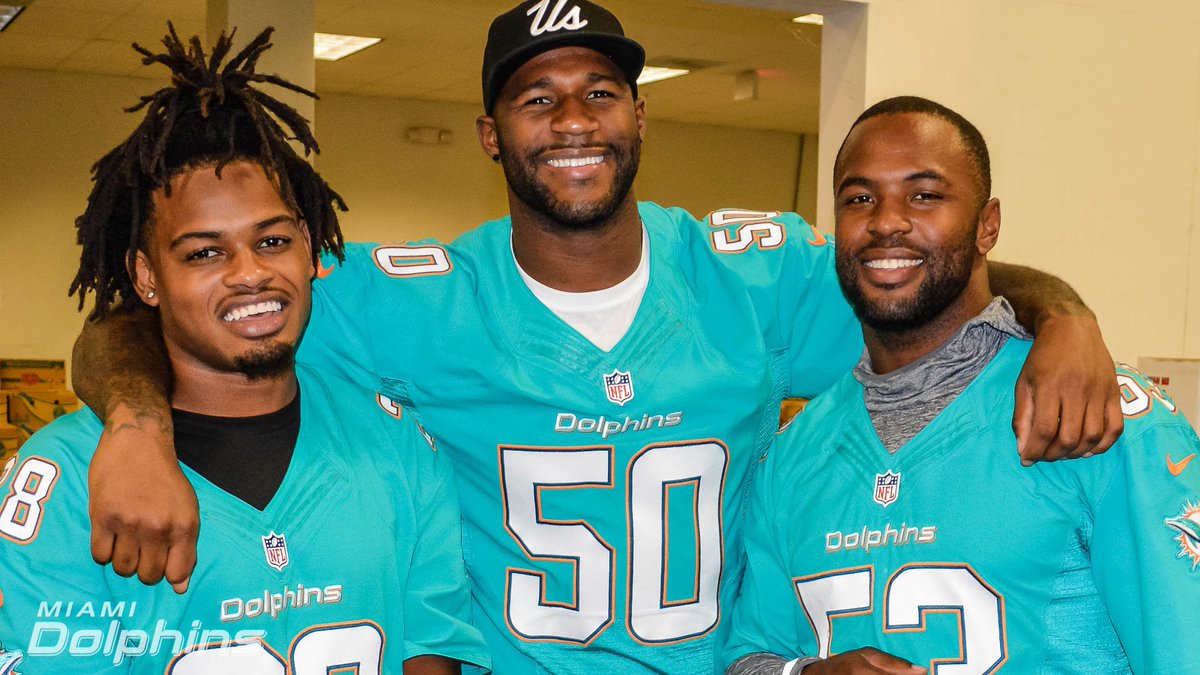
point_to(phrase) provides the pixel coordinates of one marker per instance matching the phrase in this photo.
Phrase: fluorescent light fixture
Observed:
(656, 73)
(331, 47)
(810, 19)
(8, 13)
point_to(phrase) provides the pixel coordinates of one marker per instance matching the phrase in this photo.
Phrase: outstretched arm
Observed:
(143, 509)
(1067, 402)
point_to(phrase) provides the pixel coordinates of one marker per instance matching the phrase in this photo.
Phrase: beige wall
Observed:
(1092, 112)
(53, 126)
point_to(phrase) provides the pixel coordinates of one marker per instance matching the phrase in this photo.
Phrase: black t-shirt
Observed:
(244, 456)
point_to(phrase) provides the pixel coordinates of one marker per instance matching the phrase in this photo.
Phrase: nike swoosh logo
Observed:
(1177, 468)
(818, 237)
(322, 270)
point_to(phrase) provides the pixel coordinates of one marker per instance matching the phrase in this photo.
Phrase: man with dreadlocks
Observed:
(206, 214)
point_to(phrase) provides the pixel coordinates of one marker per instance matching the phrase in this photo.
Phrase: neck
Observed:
(891, 350)
(201, 389)
(573, 260)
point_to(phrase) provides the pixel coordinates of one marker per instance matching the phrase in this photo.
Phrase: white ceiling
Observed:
(433, 50)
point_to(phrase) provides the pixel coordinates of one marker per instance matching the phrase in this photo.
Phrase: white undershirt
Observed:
(603, 317)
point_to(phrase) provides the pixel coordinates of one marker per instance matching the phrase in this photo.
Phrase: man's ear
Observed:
(485, 127)
(639, 112)
(143, 279)
(988, 232)
(308, 247)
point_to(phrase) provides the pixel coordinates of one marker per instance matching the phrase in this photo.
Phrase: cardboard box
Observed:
(33, 375)
(11, 439)
(1180, 379)
(32, 410)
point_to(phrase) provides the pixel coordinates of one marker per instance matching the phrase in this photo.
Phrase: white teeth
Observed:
(572, 162)
(892, 263)
(254, 310)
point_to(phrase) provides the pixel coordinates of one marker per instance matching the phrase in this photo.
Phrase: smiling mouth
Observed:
(257, 309)
(892, 263)
(574, 162)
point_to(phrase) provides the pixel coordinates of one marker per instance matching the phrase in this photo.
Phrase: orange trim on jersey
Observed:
(389, 406)
(830, 616)
(720, 545)
(335, 626)
(222, 645)
(510, 571)
(417, 260)
(41, 503)
(958, 611)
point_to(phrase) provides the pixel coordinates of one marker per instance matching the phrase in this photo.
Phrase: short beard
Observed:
(948, 271)
(266, 361)
(521, 174)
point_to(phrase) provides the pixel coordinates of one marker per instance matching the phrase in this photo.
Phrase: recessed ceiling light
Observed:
(810, 19)
(331, 47)
(8, 13)
(656, 73)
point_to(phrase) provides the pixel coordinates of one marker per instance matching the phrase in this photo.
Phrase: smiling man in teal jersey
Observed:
(927, 538)
(604, 373)
(329, 528)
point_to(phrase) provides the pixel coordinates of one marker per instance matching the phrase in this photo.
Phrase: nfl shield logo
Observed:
(618, 386)
(275, 547)
(887, 488)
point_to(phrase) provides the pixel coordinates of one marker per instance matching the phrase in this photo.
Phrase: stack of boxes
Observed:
(1180, 379)
(33, 393)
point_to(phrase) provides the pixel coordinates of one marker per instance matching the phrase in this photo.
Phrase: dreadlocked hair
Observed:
(208, 116)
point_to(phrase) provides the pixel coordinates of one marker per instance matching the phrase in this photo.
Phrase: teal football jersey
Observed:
(354, 566)
(952, 555)
(602, 492)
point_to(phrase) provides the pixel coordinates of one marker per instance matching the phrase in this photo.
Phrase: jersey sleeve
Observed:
(765, 615)
(822, 337)
(437, 597)
(1146, 539)
(46, 570)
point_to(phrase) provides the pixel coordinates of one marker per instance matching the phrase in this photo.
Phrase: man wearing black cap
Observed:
(605, 374)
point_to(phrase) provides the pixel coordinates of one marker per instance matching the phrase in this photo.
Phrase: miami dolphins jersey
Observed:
(354, 565)
(952, 555)
(602, 492)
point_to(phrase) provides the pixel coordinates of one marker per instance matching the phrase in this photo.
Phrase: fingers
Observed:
(181, 560)
(103, 541)
(125, 556)
(1023, 417)
(152, 560)
(886, 663)
(1041, 441)
(1114, 423)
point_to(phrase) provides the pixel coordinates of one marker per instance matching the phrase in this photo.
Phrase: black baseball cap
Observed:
(537, 26)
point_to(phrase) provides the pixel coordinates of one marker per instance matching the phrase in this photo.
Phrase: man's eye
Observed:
(274, 242)
(927, 196)
(538, 100)
(858, 199)
(601, 93)
(202, 254)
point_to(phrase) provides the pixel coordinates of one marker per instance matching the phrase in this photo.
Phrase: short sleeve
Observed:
(765, 613)
(46, 568)
(824, 339)
(1146, 540)
(437, 597)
